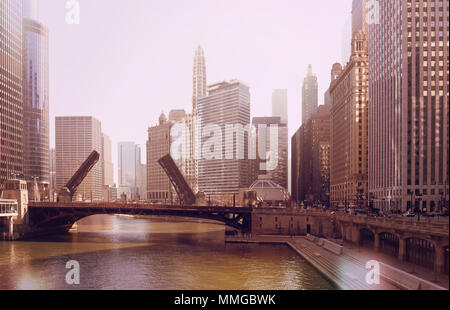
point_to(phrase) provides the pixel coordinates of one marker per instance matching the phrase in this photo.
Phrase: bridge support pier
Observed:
(10, 228)
(356, 238)
(348, 233)
(439, 261)
(402, 249)
(376, 244)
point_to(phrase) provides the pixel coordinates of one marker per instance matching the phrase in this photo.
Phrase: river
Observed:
(116, 252)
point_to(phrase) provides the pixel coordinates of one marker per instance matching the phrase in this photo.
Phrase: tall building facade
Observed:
(31, 9)
(186, 157)
(360, 18)
(297, 161)
(346, 37)
(320, 125)
(141, 180)
(327, 97)
(409, 126)
(199, 78)
(11, 99)
(189, 166)
(311, 159)
(309, 95)
(129, 159)
(53, 189)
(336, 70)
(227, 103)
(76, 138)
(36, 122)
(265, 142)
(108, 166)
(349, 128)
(190, 121)
(280, 104)
(159, 144)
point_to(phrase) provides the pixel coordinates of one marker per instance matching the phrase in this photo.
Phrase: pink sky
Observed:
(128, 60)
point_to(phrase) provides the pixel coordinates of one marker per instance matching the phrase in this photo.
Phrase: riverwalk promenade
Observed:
(345, 265)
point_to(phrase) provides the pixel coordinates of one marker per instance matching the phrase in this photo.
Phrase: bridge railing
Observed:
(135, 206)
(427, 225)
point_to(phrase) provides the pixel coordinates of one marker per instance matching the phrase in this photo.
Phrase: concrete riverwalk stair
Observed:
(345, 267)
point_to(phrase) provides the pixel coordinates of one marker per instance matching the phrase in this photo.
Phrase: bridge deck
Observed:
(61, 214)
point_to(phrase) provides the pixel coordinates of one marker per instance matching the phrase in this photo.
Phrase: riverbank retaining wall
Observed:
(296, 222)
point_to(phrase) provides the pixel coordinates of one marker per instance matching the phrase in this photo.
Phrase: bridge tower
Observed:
(16, 189)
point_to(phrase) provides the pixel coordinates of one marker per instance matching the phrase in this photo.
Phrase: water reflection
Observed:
(117, 252)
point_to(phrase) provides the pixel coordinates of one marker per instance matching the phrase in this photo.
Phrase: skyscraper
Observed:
(129, 158)
(52, 174)
(36, 121)
(408, 108)
(11, 99)
(349, 127)
(280, 109)
(141, 180)
(309, 95)
(222, 173)
(264, 144)
(359, 16)
(108, 166)
(297, 163)
(335, 72)
(159, 144)
(321, 148)
(346, 37)
(311, 158)
(189, 164)
(280, 104)
(327, 97)
(30, 9)
(76, 138)
(199, 78)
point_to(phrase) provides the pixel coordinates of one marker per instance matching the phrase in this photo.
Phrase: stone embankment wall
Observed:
(275, 221)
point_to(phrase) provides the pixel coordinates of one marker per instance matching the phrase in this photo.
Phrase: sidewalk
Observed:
(348, 270)
(363, 255)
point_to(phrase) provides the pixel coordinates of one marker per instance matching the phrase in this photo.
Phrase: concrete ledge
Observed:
(332, 247)
(406, 280)
(325, 272)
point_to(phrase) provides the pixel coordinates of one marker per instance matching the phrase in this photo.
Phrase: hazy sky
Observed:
(128, 60)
